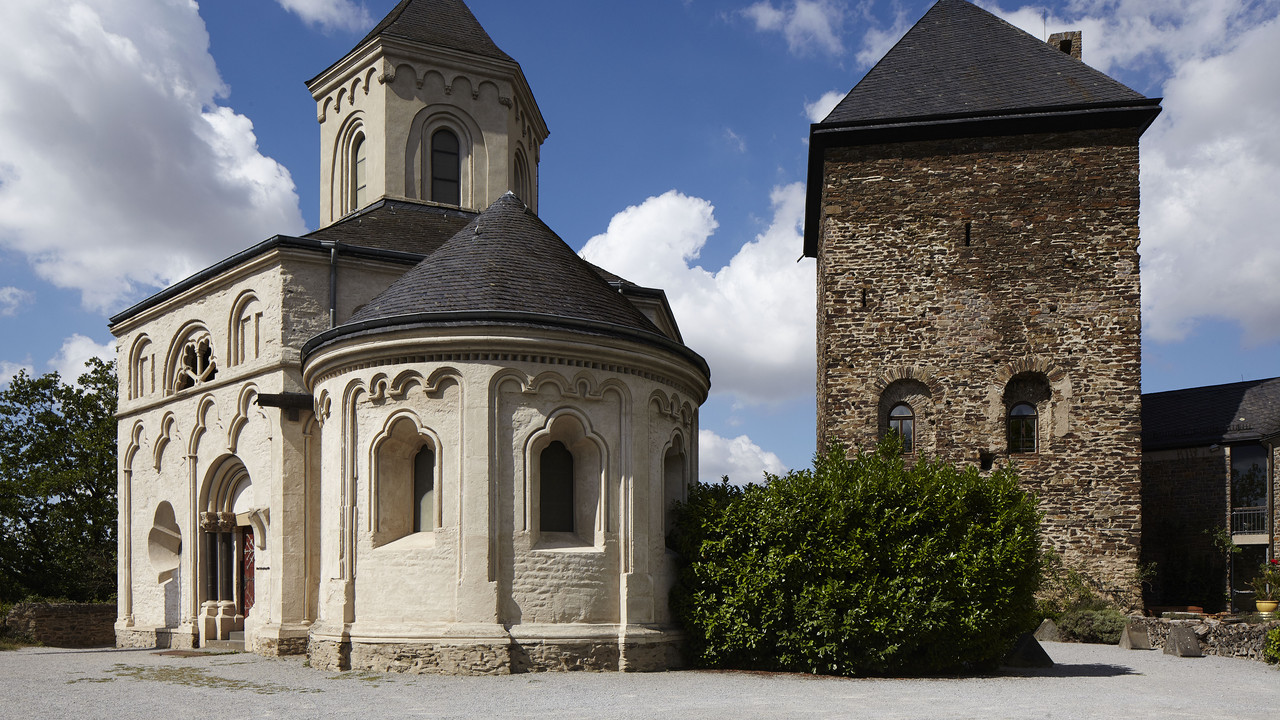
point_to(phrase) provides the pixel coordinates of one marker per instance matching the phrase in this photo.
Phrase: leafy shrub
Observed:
(1092, 626)
(860, 566)
(1271, 653)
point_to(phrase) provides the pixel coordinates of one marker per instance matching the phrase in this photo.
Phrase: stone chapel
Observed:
(427, 436)
(973, 208)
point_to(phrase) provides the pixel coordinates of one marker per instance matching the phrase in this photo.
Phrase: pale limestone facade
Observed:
(271, 440)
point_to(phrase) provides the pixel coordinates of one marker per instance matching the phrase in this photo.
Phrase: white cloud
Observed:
(1210, 169)
(118, 169)
(1211, 161)
(12, 298)
(818, 110)
(806, 24)
(8, 370)
(75, 352)
(735, 141)
(753, 320)
(877, 41)
(330, 14)
(739, 458)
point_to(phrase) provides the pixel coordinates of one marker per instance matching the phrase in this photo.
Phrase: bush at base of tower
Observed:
(861, 566)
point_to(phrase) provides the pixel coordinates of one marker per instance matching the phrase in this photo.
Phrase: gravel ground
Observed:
(1089, 681)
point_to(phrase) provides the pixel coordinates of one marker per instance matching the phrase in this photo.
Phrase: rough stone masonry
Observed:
(963, 276)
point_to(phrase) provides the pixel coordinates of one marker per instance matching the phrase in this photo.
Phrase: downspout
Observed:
(333, 283)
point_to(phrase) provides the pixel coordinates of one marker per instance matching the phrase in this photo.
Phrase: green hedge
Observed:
(859, 567)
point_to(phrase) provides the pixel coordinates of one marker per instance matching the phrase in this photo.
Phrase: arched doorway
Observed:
(229, 547)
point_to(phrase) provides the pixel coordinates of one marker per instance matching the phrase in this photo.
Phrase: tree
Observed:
(861, 566)
(58, 486)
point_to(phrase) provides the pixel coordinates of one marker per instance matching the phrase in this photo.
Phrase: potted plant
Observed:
(1266, 587)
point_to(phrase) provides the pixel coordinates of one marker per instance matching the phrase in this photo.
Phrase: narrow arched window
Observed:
(359, 171)
(522, 178)
(902, 421)
(555, 494)
(1022, 428)
(424, 490)
(446, 168)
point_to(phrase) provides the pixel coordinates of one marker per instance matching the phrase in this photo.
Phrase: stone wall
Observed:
(1242, 640)
(1184, 497)
(983, 272)
(63, 624)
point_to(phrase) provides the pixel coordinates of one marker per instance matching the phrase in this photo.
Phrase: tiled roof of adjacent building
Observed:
(506, 267)
(400, 225)
(444, 23)
(1202, 416)
(961, 60)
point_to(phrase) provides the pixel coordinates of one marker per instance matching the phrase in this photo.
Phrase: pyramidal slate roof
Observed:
(961, 60)
(1196, 417)
(444, 23)
(505, 267)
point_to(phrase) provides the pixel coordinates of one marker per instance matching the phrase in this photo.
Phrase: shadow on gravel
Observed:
(83, 651)
(1062, 670)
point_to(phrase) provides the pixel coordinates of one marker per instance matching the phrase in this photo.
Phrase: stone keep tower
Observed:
(426, 108)
(973, 206)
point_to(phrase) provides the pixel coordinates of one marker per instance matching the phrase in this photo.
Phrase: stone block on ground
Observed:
(1135, 638)
(1027, 653)
(1182, 641)
(1048, 631)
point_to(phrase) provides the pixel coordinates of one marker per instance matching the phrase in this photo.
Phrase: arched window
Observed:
(521, 185)
(424, 490)
(1022, 428)
(446, 168)
(902, 421)
(674, 482)
(555, 495)
(196, 364)
(359, 172)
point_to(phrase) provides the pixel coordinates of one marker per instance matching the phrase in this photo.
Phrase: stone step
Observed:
(234, 641)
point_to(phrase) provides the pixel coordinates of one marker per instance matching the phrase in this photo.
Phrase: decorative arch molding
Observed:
(393, 446)
(142, 367)
(341, 188)
(203, 408)
(244, 407)
(323, 406)
(473, 157)
(896, 374)
(192, 358)
(573, 428)
(1040, 365)
(166, 432)
(226, 479)
(135, 443)
(382, 387)
(673, 406)
(244, 324)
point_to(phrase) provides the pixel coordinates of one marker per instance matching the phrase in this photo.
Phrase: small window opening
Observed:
(1022, 428)
(968, 234)
(986, 460)
(555, 495)
(902, 421)
(424, 490)
(1065, 46)
(446, 168)
(359, 182)
(864, 298)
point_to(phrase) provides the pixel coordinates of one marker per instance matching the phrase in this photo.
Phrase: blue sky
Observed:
(141, 140)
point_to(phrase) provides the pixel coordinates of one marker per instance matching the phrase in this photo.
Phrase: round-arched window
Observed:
(902, 421)
(1022, 428)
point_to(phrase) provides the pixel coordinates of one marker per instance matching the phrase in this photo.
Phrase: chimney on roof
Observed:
(1068, 42)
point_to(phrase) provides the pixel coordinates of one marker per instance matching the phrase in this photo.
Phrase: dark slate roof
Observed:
(1215, 414)
(962, 60)
(506, 267)
(444, 23)
(399, 225)
(278, 242)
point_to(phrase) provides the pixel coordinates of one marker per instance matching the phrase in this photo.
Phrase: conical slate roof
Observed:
(505, 268)
(961, 60)
(444, 23)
